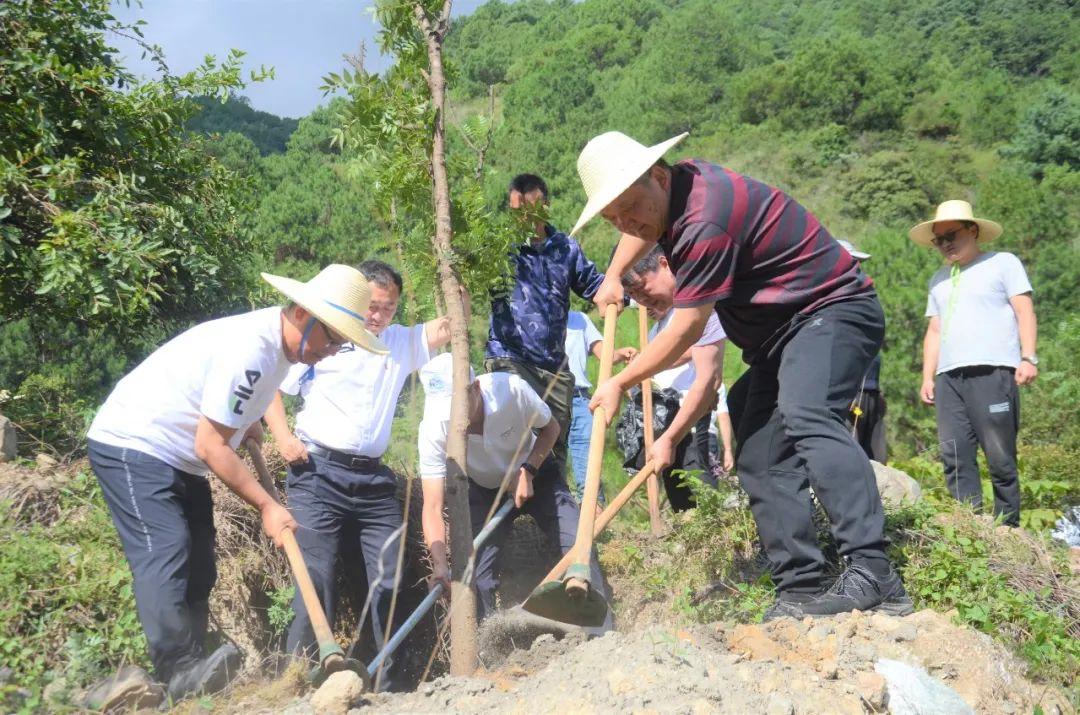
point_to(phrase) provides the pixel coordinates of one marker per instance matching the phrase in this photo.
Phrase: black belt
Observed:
(355, 462)
(582, 392)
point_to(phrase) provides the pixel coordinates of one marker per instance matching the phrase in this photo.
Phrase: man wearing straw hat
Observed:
(338, 487)
(511, 432)
(979, 347)
(181, 414)
(808, 322)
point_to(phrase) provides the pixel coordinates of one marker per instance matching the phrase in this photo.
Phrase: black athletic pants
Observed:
(980, 405)
(793, 434)
(166, 525)
(869, 426)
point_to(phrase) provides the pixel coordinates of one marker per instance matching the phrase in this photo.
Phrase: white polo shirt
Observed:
(681, 378)
(581, 335)
(227, 369)
(350, 397)
(512, 410)
(978, 325)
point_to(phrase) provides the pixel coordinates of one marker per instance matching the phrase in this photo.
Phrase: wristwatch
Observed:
(530, 468)
(1033, 359)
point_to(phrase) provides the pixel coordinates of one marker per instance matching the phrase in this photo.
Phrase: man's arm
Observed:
(629, 251)
(620, 356)
(1024, 308)
(698, 401)
(683, 331)
(435, 531)
(291, 449)
(723, 423)
(212, 447)
(930, 350)
(437, 331)
(549, 434)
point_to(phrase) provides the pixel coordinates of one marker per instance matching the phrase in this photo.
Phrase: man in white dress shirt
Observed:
(340, 492)
(696, 376)
(181, 414)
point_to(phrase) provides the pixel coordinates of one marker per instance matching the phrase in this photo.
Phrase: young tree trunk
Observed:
(463, 645)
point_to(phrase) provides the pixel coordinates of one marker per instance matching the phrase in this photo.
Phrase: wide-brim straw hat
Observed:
(338, 297)
(923, 233)
(609, 164)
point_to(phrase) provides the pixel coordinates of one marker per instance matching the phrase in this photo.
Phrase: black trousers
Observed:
(793, 434)
(330, 503)
(166, 525)
(869, 426)
(696, 453)
(976, 406)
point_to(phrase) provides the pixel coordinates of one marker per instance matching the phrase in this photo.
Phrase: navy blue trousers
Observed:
(166, 526)
(351, 515)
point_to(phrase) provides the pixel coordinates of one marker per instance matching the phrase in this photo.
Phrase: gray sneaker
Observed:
(207, 675)
(789, 605)
(858, 588)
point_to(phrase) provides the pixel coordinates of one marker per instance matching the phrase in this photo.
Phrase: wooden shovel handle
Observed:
(656, 524)
(606, 516)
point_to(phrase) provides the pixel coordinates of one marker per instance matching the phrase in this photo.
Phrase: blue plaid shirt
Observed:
(528, 324)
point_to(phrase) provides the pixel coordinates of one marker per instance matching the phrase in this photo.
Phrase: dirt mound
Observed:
(784, 667)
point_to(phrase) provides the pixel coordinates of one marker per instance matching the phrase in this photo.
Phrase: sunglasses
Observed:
(949, 237)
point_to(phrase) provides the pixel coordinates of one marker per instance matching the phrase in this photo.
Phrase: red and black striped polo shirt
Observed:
(753, 251)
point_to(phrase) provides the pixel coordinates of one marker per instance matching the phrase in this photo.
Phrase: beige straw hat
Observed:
(338, 296)
(609, 164)
(923, 233)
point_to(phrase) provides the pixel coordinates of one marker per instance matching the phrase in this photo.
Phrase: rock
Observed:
(1066, 528)
(45, 462)
(9, 441)
(779, 705)
(752, 640)
(873, 689)
(905, 632)
(913, 691)
(896, 487)
(129, 689)
(340, 692)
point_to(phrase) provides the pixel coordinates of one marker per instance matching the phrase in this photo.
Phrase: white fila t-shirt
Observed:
(227, 369)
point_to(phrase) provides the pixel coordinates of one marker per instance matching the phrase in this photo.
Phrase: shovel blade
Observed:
(552, 600)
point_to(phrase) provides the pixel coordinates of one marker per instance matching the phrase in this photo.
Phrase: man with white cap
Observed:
(504, 413)
(696, 376)
(337, 487)
(979, 347)
(181, 414)
(808, 322)
(868, 408)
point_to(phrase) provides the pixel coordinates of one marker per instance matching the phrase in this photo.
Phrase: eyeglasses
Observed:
(333, 340)
(949, 237)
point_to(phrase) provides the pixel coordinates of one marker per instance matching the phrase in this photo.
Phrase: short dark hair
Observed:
(644, 178)
(650, 263)
(524, 183)
(381, 274)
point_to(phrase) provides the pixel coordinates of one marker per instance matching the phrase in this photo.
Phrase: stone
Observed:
(45, 462)
(905, 632)
(896, 487)
(779, 705)
(913, 691)
(873, 689)
(338, 694)
(130, 688)
(9, 440)
(752, 640)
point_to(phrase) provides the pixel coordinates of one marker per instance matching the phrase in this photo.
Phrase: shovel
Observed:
(433, 595)
(569, 597)
(331, 657)
(656, 524)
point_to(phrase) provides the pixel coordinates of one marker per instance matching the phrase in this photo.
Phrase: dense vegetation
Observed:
(131, 210)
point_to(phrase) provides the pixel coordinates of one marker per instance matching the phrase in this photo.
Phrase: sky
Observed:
(302, 40)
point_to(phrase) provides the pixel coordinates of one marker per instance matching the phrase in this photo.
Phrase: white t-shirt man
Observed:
(227, 370)
(681, 378)
(350, 397)
(512, 410)
(978, 324)
(581, 335)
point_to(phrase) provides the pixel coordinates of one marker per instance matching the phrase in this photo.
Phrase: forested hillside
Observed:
(269, 132)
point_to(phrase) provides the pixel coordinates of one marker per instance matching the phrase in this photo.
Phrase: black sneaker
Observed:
(789, 604)
(858, 588)
(207, 675)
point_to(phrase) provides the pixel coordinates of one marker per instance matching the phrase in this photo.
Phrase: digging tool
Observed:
(656, 524)
(331, 657)
(570, 598)
(410, 623)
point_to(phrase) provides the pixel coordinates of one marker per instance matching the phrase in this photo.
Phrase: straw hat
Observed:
(609, 164)
(923, 233)
(338, 296)
(437, 377)
(855, 253)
